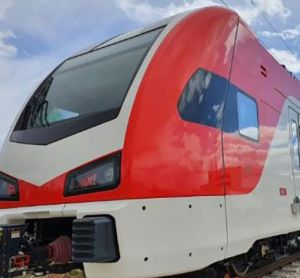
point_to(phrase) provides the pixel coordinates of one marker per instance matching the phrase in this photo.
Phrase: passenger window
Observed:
(247, 116)
(202, 99)
(295, 144)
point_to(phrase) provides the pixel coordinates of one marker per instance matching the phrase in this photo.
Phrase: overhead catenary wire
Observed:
(224, 3)
(268, 21)
(275, 30)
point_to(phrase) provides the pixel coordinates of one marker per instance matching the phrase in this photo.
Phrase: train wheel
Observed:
(238, 269)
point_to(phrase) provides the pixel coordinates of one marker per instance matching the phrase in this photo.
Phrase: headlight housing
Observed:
(9, 188)
(100, 175)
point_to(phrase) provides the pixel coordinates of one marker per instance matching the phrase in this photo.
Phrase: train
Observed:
(167, 150)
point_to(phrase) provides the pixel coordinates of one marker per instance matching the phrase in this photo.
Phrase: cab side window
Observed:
(295, 144)
(241, 114)
(247, 116)
(202, 99)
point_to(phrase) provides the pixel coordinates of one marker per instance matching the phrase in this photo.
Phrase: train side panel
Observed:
(259, 184)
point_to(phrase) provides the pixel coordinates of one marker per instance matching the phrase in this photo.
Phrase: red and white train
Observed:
(158, 152)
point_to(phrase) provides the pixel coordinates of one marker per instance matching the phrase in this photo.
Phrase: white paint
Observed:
(264, 212)
(166, 232)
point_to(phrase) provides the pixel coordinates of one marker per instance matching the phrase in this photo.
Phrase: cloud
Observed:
(7, 50)
(17, 81)
(287, 34)
(49, 24)
(5, 6)
(144, 11)
(35, 36)
(291, 60)
(271, 8)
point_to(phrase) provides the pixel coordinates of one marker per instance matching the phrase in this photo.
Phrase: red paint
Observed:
(11, 190)
(164, 156)
(20, 261)
(283, 191)
(184, 159)
(88, 181)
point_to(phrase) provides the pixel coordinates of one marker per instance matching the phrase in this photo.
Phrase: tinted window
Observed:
(203, 98)
(295, 144)
(247, 116)
(92, 83)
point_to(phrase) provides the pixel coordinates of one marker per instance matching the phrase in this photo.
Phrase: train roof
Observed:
(130, 34)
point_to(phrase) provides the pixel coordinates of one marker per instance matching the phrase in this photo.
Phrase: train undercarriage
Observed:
(41, 247)
(37, 247)
(56, 246)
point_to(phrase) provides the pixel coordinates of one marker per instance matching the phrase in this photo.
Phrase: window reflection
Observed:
(247, 116)
(295, 145)
(202, 100)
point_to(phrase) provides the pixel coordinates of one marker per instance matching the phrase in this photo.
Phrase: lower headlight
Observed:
(98, 176)
(9, 190)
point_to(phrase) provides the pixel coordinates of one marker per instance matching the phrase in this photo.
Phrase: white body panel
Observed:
(264, 212)
(174, 237)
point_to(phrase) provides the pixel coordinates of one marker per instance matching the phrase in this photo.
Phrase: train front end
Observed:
(93, 176)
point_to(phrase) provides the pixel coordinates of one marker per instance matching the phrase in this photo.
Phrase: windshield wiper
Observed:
(38, 106)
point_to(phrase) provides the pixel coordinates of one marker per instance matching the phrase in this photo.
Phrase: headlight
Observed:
(9, 190)
(98, 176)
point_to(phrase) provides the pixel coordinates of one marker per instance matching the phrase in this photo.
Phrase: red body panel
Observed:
(164, 156)
(245, 159)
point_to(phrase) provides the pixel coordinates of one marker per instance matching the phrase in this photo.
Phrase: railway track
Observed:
(291, 271)
(286, 267)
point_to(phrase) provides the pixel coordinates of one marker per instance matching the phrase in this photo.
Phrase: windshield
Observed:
(93, 83)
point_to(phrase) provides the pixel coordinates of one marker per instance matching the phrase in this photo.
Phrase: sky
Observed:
(36, 35)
